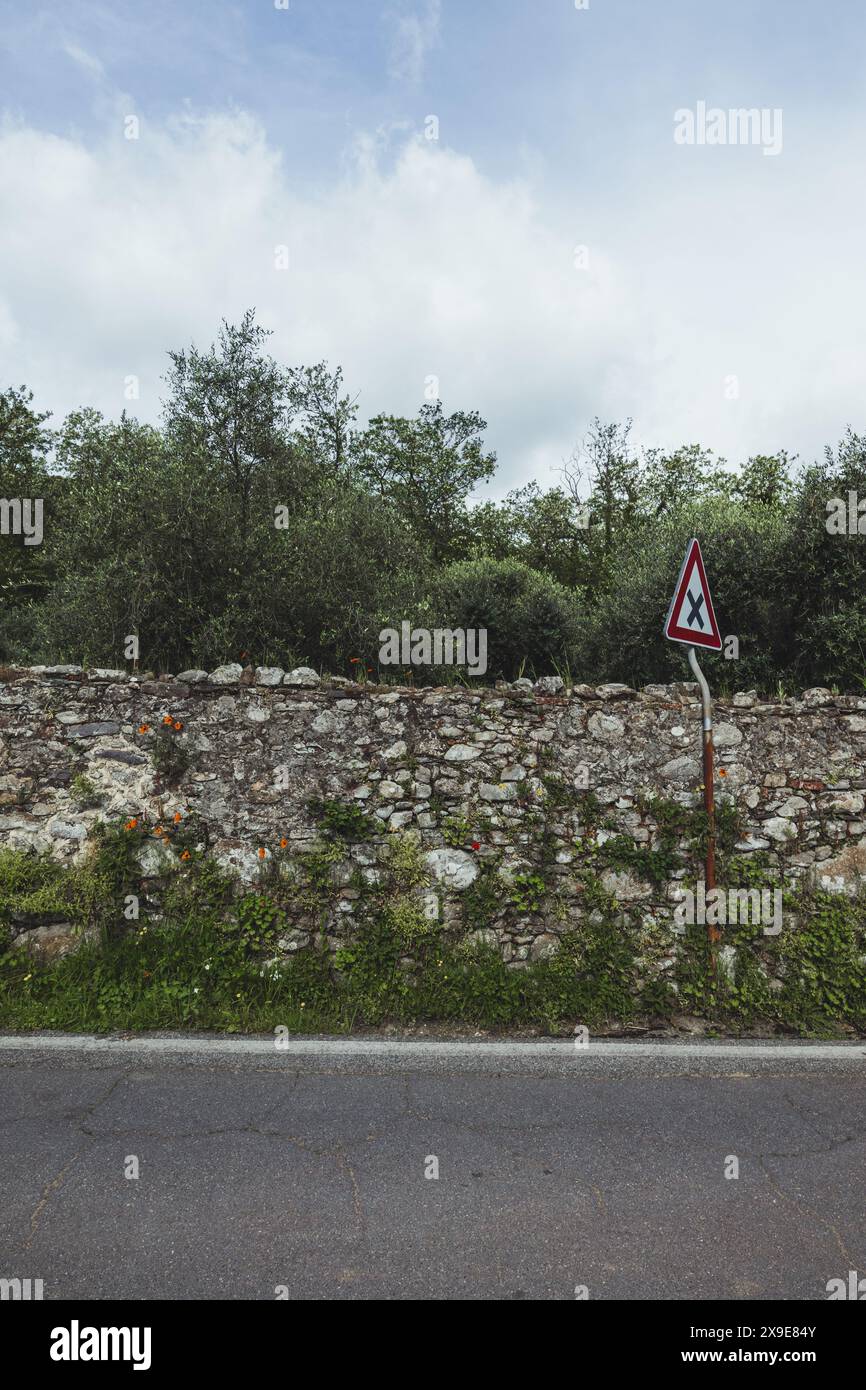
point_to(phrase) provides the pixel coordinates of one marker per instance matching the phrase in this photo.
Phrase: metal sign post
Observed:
(691, 619)
(713, 932)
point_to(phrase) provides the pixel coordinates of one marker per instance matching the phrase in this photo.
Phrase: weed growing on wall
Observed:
(167, 749)
(214, 959)
(341, 820)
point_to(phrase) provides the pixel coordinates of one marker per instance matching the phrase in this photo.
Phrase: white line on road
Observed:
(430, 1048)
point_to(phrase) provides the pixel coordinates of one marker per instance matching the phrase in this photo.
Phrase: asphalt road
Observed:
(304, 1170)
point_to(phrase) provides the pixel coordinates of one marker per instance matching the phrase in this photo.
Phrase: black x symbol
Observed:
(694, 614)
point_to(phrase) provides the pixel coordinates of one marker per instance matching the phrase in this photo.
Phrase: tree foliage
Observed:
(259, 522)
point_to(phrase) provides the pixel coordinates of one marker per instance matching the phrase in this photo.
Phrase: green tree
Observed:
(607, 467)
(825, 573)
(546, 530)
(324, 416)
(25, 569)
(765, 480)
(228, 416)
(427, 467)
(689, 475)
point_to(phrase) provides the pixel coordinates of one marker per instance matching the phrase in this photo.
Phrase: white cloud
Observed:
(91, 65)
(113, 255)
(418, 265)
(415, 31)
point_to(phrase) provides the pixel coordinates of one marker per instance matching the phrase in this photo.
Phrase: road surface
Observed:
(310, 1172)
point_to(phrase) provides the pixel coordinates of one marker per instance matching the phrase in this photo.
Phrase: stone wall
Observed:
(479, 777)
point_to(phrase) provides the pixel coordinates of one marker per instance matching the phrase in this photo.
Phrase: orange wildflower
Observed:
(177, 817)
(722, 772)
(143, 728)
(185, 854)
(167, 719)
(283, 843)
(262, 853)
(178, 725)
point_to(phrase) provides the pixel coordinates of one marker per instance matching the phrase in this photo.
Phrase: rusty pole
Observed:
(713, 933)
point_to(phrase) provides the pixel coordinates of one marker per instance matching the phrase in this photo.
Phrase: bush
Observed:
(531, 621)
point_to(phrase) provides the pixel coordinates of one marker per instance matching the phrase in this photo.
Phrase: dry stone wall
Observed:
(477, 778)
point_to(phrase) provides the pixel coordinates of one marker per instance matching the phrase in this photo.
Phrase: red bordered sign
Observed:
(691, 616)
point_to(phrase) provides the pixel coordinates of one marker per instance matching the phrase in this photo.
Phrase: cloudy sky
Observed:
(553, 255)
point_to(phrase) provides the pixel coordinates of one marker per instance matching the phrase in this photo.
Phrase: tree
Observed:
(547, 530)
(25, 569)
(427, 467)
(765, 480)
(118, 543)
(689, 475)
(325, 416)
(229, 414)
(825, 577)
(605, 463)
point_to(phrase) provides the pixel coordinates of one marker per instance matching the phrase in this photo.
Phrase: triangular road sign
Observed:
(691, 617)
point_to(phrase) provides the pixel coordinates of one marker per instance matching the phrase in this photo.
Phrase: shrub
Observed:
(531, 621)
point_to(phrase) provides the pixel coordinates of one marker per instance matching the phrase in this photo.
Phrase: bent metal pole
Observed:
(713, 933)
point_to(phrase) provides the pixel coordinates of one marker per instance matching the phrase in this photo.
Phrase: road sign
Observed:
(691, 617)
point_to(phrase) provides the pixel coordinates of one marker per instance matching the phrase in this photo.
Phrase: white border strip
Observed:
(422, 1048)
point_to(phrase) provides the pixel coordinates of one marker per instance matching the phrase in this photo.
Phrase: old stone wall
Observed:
(517, 778)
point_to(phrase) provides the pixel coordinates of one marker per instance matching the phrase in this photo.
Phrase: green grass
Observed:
(194, 974)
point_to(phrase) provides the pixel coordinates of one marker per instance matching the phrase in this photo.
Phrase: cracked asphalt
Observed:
(305, 1170)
